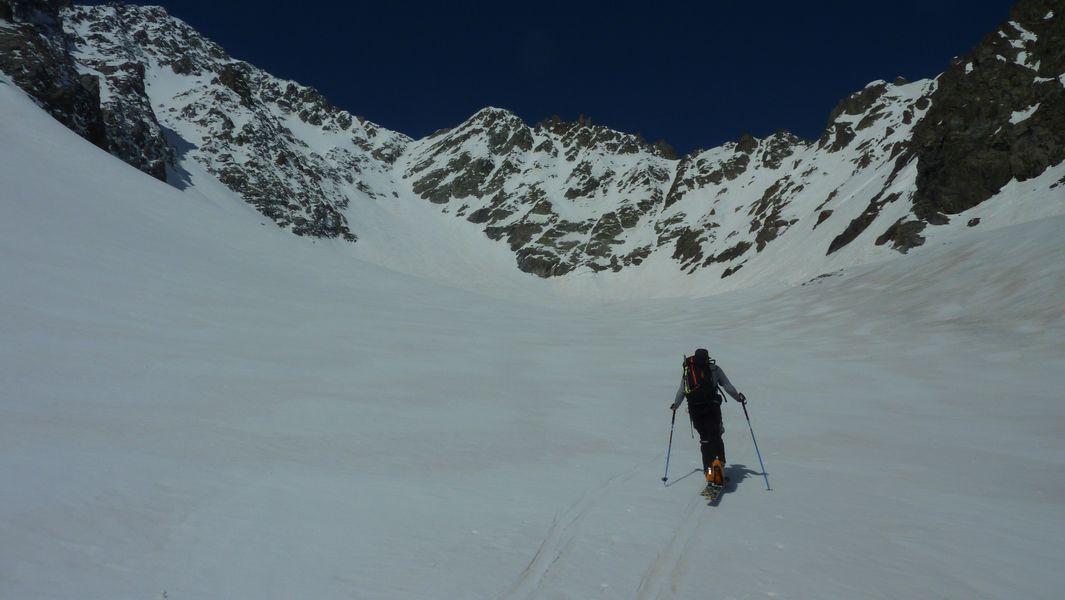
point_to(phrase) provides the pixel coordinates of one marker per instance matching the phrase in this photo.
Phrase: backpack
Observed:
(700, 387)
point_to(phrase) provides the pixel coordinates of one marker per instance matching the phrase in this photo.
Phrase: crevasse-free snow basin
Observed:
(197, 404)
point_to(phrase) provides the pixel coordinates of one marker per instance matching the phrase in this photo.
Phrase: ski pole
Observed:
(744, 404)
(670, 447)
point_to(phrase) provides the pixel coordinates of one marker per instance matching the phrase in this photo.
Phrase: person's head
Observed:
(702, 355)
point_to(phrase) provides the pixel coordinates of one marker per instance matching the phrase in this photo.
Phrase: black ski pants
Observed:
(707, 420)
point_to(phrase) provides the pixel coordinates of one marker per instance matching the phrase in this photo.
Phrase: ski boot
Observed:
(716, 474)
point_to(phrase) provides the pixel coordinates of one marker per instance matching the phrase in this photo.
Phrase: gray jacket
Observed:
(719, 377)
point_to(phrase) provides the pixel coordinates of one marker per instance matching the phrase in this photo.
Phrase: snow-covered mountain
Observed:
(196, 406)
(281, 146)
(898, 164)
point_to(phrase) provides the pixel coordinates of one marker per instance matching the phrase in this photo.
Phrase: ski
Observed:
(712, 491)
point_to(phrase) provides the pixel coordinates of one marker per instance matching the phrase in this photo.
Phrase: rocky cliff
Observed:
(35, 53)
(279, 145)
(997, 115)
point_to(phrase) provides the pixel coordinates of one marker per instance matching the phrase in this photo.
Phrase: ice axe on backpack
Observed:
(691, 421)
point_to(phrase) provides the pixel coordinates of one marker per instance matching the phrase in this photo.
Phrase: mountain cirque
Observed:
(894, 159)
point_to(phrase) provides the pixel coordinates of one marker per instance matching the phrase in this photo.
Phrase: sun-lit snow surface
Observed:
(197, 404)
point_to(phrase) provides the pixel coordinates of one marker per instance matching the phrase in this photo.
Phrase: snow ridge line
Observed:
(564, 530)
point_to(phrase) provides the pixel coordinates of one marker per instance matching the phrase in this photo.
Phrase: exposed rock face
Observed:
(895, 159)
(44, 14)
(37, 55)
(998, 114)
(133, 132)
(89, 67)
(561, 194)
(252, 131)
(34, 53)
(995, 116)
(569, 196)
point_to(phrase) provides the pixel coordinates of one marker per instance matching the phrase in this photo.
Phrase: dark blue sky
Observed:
(693, 73)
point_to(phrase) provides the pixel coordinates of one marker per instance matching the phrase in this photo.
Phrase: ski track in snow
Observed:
(670, 561)
(565, 528)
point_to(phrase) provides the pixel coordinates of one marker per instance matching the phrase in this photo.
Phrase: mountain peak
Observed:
(493, 113)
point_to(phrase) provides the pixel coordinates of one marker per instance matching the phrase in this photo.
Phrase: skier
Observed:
(699, 385)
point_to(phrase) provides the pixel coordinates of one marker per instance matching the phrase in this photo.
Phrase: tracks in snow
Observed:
(669, 563)
(564, 530)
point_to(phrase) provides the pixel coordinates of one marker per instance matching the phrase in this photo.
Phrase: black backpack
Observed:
(700, 387)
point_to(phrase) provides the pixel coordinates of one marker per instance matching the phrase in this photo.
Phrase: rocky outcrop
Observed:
(104, 103)
(133, 132)
(522, 184)
(42, 14)
(998, 115)
(34, 53)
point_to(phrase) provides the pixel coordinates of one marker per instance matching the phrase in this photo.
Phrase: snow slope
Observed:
(198, 406)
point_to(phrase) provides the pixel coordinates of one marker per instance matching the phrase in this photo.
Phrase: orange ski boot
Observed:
(716, 475)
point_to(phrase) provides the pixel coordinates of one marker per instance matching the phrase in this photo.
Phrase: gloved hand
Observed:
(674, 407)
(743, 399)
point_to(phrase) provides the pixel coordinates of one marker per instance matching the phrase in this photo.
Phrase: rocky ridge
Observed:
(279, 145)
(894, 159)
(995, 116)
(566, 196)
(998, 114)
(560, 194)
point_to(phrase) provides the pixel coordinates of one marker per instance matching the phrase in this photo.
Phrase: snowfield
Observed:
(195, 405)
